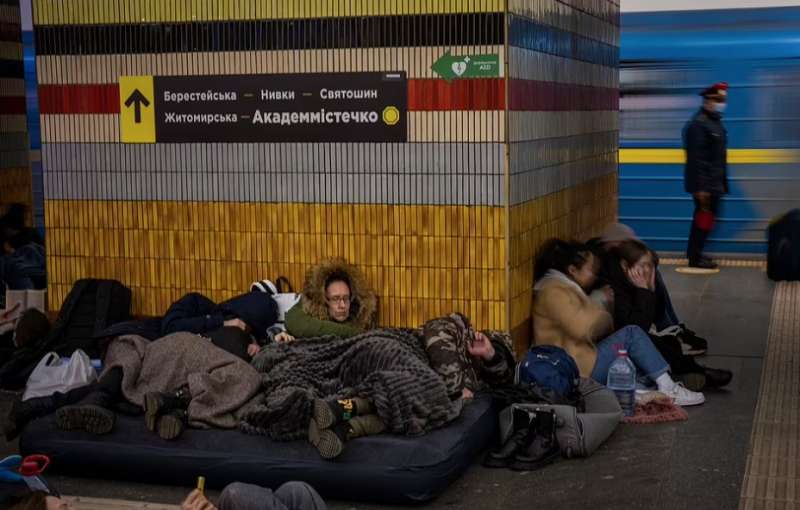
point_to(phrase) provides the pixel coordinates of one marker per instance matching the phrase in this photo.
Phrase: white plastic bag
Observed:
(53, 374)
(285, 302)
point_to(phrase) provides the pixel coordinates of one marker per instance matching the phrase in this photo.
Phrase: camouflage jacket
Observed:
(446, 342)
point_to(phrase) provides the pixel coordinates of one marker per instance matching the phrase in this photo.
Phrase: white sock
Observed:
(665, 382)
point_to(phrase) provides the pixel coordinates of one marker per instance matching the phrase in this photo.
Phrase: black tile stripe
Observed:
(11, 69)
(325, 33)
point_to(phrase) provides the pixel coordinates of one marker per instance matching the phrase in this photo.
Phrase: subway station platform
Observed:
(738, 450)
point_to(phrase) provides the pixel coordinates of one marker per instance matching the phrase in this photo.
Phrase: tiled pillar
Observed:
(427, 219)
(15, 174)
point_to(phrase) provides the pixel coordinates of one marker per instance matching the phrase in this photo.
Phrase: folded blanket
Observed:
(387, 366)
(222, 386)
(655, 407)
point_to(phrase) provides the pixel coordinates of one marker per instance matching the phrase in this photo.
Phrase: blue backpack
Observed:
(552, 371)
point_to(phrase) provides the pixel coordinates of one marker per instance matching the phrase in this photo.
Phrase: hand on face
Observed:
(481, 347)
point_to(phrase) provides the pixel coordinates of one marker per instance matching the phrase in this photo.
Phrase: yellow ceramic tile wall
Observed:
(446, 257)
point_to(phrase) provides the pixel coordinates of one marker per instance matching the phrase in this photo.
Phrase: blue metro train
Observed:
(666, 59)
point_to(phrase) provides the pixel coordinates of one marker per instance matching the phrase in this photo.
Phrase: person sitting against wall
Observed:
(631, 272)
(564, 316)
(666, 318)
(22, 255)
(336, 300)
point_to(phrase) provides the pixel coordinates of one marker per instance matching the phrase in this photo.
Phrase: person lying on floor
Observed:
(336, 300)
(333, 390)
(253, 312)
(178, 380)
(243, 496)
(631, 271)
(665, 316)
(564, 316)
(236, 326)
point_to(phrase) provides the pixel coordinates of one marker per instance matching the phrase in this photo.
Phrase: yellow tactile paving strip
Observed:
(761, 264)
(772, 476)
(80, 503)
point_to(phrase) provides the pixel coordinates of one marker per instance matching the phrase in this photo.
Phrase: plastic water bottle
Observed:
(622, 381)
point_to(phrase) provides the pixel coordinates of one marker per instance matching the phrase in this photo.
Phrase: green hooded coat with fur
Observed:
(310, 318)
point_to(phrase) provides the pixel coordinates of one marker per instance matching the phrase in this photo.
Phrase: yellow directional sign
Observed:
(137, 118)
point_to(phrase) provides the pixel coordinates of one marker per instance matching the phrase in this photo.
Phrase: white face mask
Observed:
(720, 107)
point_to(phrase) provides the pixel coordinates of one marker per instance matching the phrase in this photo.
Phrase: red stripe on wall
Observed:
(79, 98)
(423, 95)
(472, 94)
(531, 95)
(12, 105)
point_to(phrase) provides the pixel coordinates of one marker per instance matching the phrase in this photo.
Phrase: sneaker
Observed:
(691, 343)
(683, 397)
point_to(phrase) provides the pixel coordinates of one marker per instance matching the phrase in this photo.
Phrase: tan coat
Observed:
(566, 318)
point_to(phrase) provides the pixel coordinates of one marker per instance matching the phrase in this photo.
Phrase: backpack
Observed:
(91, 306)
(783, 254)
(552, 371)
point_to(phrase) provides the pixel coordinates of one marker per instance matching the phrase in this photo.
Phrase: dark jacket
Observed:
(632, 306)
(706, 142)
(196, 313)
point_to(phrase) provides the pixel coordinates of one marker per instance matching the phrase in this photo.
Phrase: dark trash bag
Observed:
(553, 371)
(783, 255)
(91, 306)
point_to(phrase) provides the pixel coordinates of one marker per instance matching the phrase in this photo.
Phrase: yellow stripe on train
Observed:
(735, 156)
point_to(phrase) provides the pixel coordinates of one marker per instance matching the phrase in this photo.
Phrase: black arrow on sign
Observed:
(137, 99)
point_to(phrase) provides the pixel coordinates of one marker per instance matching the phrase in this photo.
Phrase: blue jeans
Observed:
(666, 317)
(642, 352)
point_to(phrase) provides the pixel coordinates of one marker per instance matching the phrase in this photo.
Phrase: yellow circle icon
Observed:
(391, 115)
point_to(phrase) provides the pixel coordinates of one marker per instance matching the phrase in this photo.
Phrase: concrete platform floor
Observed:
(698, 464)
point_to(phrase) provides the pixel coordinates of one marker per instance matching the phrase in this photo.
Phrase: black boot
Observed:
(330, 442)
(521, 437)
(157, 404)
(717, 377)
(24, 411)
(93, 413)
(331, 412)
(544, 448)
(172, 424)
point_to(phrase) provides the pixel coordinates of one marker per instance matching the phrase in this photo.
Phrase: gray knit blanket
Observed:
(387, 366)
(222, 386)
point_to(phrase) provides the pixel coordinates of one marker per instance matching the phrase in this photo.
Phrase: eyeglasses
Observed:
(336, 300)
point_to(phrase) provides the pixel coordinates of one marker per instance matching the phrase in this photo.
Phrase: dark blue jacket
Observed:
(196, 313)
(706, 142)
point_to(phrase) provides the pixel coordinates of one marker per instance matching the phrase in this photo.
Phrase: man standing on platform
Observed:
(706, 142)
